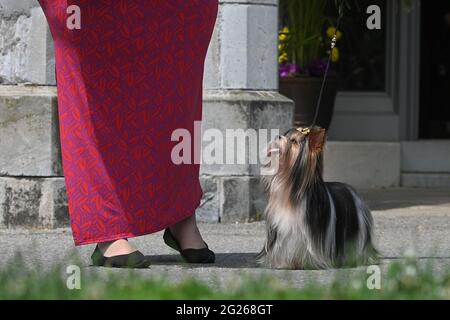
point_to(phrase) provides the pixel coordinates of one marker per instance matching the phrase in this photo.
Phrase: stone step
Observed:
(426, 180)
(426, 156)
(363, 164)
(32, 192)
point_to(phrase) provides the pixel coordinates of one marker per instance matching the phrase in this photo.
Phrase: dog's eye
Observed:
(293, 141)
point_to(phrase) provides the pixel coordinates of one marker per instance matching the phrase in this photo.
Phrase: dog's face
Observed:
(298, 154)
(297, 144)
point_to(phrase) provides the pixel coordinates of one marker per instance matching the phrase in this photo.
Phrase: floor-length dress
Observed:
(127, 76)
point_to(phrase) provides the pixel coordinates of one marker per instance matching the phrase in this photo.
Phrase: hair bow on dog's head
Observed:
(304, 131)
(316, 137)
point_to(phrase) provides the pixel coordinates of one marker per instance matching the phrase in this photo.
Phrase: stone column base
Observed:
(234, 192)
(33, 203)
(32, 188)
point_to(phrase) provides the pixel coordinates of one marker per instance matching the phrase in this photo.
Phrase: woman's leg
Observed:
(118, 108)
(187, 233)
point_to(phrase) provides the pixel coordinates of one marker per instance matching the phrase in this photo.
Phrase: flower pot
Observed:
(305, 93)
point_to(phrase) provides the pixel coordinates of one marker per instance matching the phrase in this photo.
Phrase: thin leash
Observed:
(307, 130)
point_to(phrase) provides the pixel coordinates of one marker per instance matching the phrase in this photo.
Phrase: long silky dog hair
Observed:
(312, 224)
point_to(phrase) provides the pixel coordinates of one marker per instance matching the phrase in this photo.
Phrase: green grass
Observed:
(402, 280)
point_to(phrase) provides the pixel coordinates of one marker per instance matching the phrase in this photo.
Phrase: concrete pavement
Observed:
(406, 221)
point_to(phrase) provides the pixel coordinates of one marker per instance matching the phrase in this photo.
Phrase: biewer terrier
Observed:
(312, 224)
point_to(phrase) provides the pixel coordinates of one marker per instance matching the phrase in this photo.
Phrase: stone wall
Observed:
(240, 92)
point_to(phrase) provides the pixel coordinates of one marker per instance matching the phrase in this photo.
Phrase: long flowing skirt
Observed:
(129, 73)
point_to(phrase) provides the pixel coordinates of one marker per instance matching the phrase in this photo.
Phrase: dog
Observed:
(312, 224)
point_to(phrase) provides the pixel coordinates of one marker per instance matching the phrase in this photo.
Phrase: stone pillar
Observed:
(32, 188)
(241, 92)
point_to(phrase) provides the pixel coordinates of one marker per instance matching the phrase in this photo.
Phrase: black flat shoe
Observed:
(203, 255)
(135, 260)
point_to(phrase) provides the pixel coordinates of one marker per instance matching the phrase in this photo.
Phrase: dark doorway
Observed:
(362, 62)
(435, 70)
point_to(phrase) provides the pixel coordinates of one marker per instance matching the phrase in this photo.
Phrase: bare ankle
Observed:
(116, 247)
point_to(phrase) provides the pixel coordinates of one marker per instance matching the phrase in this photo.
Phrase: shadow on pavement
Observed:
(223, 260)
(397, 198)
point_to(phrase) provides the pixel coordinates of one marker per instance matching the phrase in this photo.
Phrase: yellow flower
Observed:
(282, 37)
(283, 34)
(283, 58)
(281, 46)
(335, 54)
(331, 31)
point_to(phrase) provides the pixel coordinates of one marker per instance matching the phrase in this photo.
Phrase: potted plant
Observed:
(304, 48)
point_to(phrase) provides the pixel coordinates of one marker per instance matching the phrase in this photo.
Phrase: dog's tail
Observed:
(369, 251)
